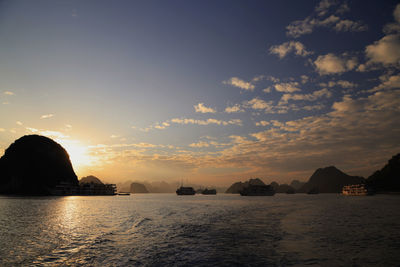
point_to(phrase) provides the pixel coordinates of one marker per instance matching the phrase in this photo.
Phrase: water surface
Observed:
(223, 230)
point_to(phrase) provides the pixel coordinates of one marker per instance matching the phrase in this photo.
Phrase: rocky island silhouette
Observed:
(34, 165)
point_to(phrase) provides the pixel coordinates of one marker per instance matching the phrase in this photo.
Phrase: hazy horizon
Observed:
(212, 92)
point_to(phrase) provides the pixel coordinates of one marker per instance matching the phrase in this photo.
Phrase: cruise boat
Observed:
(209, 192)
(185, 190)
(356, 190)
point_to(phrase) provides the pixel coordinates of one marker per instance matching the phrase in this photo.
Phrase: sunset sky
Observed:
(210, 91)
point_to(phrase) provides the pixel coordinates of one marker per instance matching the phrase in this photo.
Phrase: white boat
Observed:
(355, 190)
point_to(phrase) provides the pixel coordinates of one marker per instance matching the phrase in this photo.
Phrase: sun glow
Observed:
(78, 153)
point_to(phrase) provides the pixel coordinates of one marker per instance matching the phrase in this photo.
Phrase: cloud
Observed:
(306, 26)
(388, 82)
(8, 93)
(386, 51)
(203, 109)
(46, 116)
(262, 123)
(350, 26)
(206, 122)
(289, 47)
(341, 83)
(236, 82)
(19, 123)
(287, 87)
(267, 90)
(233, 109)
(306, 97)
(2, 130)
(313, 107)
(331, 64)
(257, 103)
(323, 6)
(200, 144)
(304, 79)
(162, 126)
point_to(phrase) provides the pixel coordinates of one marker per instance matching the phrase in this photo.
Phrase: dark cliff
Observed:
(34, 165)
(388, 178)
(237, 187)
(330, 180)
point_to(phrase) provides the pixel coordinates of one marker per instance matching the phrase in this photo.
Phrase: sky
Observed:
(212, 92)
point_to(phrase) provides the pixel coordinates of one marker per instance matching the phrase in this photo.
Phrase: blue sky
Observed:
(212, 91)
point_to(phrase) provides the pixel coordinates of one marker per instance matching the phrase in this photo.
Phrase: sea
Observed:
(200, 230)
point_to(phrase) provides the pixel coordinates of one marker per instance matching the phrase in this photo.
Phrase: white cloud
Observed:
(341, 83)
(267, 90)
(233, 109)
(257, 103)
(288, 47)
(203, 109)
(200, 144)
(307, 25)
(262, 123)
(287, 87)
(273, 79)
(47, 116)
(306, 97)
(19, 123)
(314, 107)
(8, 93)
(236, 82)
(332, 64)
(162, 126)
(386, 51)
(323, 6)
(206, 122)
(388, 82)
(350, 26)
(304, 79)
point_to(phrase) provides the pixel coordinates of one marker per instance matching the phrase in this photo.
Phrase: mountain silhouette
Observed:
(138, 188)
(34, 165)
(329, 180)
(388, 178)
(296, 184)
(90, 179)
(238, 186)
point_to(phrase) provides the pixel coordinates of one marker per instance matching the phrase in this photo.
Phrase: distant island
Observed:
(37, 165)
(331, 180)
(138, 188)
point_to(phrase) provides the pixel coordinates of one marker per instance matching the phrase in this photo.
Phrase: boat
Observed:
(209, 192)
(291, 191)
(257, 190)
(313, 191)
(185, 190)
(356, 190)
(124, 194)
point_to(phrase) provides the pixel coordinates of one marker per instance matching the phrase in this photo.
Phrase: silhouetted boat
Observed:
(124, 194)
(209, 192)
(257, 190)
(185, 190)
(356, 190)
(291, 191)
(313, 191)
